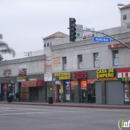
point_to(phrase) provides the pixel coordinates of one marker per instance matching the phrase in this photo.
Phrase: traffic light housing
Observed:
(72, 29)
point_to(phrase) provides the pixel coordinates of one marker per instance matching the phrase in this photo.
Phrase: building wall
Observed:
(87, 48)
(36, 53)
(35, 65)
(127, 20)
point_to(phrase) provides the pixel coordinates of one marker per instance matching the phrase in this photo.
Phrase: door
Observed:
(114, 93)
(98, 92)
(33, 92)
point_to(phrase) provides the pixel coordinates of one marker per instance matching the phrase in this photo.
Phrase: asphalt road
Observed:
(28, 117)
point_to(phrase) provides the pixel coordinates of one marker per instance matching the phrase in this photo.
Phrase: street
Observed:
(29, 117)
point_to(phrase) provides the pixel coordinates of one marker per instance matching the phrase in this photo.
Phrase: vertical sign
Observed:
(48, 62)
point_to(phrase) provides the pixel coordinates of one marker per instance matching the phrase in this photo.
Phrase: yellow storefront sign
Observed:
(106, 74)
(102, 79)
(62, 75)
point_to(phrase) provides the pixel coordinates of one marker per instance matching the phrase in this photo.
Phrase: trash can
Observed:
(50, 100)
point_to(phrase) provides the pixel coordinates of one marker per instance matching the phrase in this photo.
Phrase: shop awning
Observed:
(35, 83)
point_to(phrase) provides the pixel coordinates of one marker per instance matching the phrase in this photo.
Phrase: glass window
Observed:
(44, 44)
(80, 62)
(64, 61)
(96, 59)
(115, 58)
(124, 17)
(47, 44)
(50, 44)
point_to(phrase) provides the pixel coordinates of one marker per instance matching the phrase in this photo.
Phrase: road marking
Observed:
(23, 113)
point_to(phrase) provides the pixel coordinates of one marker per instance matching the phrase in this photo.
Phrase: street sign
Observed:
(102, 39)
(79, 30)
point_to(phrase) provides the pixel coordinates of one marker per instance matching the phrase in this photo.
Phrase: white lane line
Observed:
(22, 109)
(23, 113)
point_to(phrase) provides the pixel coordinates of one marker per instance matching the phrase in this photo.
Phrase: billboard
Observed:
(87, 34)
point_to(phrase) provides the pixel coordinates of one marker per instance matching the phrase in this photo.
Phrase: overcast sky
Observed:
(23, 23)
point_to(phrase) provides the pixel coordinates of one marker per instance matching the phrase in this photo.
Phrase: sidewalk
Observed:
(82, 105)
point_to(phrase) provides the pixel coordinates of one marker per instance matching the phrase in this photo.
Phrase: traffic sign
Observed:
(79, 30)
(102, 39)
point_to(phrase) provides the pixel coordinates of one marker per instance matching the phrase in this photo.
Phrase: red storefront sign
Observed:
(80, 75)
(4, 87)
(35, 83)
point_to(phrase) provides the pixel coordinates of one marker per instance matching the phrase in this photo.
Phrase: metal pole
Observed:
(110, 37)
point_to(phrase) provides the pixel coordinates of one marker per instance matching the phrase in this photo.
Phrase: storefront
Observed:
(7, 84)
(108, 89)
(29, 90)
(64, 88)
(48, 85)
(86, 87)
(124, 77)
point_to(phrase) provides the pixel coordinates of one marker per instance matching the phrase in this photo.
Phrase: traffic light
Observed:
(72, 28)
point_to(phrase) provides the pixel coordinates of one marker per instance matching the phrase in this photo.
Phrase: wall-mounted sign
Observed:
(7, 72)
(90, 81)
(21, 78)
(105, 74)
(37, 83)
(80, 75)
(48, 77)
(22, 73)
(123, 74)
(62, 75)
(48, 62)
(30, 79)
(56, 61)
(117, 45)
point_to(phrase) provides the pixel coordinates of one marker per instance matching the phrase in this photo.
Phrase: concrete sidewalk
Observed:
(83, 105)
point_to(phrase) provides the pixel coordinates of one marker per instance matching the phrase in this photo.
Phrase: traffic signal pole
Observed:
(88, 30)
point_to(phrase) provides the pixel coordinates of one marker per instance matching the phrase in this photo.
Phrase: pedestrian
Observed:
(17, 97)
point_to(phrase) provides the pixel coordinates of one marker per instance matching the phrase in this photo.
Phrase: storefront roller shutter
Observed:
(114, 92)
(98, 92)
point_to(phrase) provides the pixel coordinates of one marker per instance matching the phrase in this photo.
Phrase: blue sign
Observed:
(101, 39)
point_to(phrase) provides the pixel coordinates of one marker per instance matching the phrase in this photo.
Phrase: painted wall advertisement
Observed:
(56, 61)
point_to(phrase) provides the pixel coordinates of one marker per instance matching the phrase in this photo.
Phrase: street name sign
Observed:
(79, 30)
(102, 39)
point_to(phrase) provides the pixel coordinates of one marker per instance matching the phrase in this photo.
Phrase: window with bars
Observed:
(96, 59)
(115, 57)
(64, 61)
(80, 61)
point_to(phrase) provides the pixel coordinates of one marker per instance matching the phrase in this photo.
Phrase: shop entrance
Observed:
(87, 92)
(69, 91)
(33, 94)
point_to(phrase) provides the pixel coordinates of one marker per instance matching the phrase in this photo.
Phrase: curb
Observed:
(66, 105)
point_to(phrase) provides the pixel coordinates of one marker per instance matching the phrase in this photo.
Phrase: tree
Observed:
(5, 49)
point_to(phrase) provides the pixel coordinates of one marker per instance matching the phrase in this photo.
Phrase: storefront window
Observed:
(126, 92)
(83, 85)
(69, 91)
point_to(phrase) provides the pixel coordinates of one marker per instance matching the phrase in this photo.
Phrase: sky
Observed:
(24, 23)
